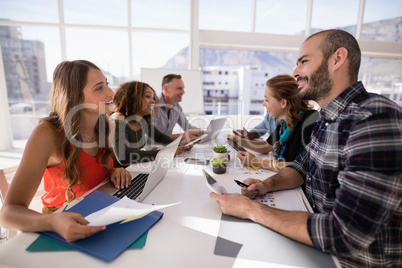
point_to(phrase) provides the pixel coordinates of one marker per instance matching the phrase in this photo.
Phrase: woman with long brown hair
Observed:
(70, 150)
(134, 107)
(293, 133)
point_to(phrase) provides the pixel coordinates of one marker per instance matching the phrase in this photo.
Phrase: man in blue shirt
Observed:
(351, 167)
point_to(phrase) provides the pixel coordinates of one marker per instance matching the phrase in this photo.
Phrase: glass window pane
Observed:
(382, 76)
(333, 15)
(226, 15)
(382, 20)
(27, 10)
(160, 50)
(270, 16)
(30, 55)
(165, 14)
(108, 49)
(234, 80)
(93, 12)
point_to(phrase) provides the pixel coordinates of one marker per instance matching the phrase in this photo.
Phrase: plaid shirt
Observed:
(353, 173)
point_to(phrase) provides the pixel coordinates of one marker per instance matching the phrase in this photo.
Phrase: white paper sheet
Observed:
(124, 209)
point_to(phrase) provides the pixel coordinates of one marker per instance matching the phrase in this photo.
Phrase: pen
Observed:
(241, 184)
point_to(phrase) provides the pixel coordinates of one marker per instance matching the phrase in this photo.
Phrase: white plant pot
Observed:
(224, 155)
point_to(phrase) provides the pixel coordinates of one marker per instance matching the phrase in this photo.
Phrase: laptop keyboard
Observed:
(135, 188)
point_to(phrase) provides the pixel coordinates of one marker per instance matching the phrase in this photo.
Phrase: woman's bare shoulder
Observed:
(46, 133)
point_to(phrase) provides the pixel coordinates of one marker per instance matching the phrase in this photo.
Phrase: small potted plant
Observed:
(221, 151)
(219, 165)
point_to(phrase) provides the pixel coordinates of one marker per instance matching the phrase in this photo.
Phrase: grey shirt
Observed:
(166, 124)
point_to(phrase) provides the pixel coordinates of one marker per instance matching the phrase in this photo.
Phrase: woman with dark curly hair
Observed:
(288, 140)
(134, 106)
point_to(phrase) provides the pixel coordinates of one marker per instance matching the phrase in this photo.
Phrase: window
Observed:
(98, 44)
(382, 76)
(32, 11)
(326, 15)
(374, 26)
(173, 14)
(226, 15)
(270, 16)
(94, 12)
(160, 50)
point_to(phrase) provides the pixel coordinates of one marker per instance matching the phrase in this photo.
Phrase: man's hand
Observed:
(193, 133)
(181, 149)
(255, 188)
(234, 204)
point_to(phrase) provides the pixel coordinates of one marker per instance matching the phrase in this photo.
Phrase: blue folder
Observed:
(111, 242)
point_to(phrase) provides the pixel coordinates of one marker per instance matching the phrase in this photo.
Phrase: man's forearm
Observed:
(175, 136)
(287, 178)
(292, 224)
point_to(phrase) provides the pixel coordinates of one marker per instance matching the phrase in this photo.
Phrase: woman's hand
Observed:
(193, 133)
(121, 178)
(248, 159)
(72, 226)
(235, 138)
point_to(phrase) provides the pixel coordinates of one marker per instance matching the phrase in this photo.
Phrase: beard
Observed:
(318, 85)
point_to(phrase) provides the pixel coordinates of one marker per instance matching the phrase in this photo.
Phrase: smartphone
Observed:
(196, 161)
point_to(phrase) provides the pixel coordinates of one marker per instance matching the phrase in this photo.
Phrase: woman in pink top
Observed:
(70, 150)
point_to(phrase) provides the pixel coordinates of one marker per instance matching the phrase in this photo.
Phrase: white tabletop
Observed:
(184, 237)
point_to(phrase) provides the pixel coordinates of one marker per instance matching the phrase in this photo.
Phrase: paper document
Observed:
(124, 209)
(285, 199)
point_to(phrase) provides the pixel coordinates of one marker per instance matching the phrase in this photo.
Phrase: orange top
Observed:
(55, 185)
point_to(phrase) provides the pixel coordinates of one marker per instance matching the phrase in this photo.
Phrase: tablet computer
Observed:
(213, 185)
(196, 140)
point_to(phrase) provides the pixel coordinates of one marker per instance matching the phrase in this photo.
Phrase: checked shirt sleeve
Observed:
(367, 208)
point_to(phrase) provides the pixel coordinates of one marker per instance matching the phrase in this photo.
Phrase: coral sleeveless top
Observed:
(55, 185)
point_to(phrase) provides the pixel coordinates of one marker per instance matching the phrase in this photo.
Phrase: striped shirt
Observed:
(353, 173)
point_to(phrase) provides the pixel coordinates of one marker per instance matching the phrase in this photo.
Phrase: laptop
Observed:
(213, 129)
(142, 184)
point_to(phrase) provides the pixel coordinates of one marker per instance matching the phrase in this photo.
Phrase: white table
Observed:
(184, 237)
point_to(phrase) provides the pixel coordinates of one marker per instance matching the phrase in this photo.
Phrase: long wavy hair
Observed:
(129, 97)
(69, 80)
(285, 87)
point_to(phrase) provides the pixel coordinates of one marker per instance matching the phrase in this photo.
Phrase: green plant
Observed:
(220, 149)
(219, 161)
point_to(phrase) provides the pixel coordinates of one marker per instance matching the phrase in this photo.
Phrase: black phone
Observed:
(196, 161)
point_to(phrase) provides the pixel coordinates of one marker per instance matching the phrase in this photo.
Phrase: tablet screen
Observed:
(213, 185)
(197, 139)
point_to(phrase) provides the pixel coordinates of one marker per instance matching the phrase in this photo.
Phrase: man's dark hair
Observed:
(335, 39)
(169, 77)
